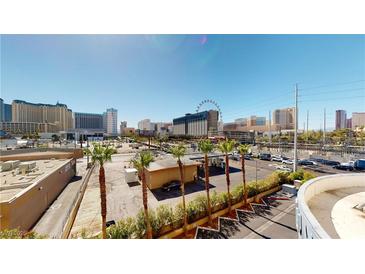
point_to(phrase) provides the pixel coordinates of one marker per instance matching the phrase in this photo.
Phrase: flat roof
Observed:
(170, 163)
(335, 211)
(11, 185)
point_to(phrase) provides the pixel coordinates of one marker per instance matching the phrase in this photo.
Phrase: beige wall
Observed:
(29, 156)
(155, 179)
(27, 207)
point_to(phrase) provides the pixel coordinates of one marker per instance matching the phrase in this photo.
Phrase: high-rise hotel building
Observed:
(111, 121)
(341, 120)
(198, 124)
(283, 119)
(57, 114)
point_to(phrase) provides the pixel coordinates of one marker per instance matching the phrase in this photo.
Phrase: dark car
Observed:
(344, 166)
(265, 156)
(306, 163)
(331, 163)
(360, 165)
(248, 157)
(173, 185)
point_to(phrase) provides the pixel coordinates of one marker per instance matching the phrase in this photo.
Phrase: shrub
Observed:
(302, 175)
(164, 216)
(124, 229)
(196, 208)
(17, 234)
(237, 193)
(178, 216)
(252, 189)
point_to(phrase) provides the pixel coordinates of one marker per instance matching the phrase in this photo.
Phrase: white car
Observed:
(284, 168)
(276, 158)
(288, 162)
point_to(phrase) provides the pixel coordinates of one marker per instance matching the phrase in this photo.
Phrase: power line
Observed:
(331, 99)
(330, 91)
(337, 84)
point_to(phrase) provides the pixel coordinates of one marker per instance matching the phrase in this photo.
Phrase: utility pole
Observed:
(324, 127)
(270, 127)
(296, 130)
(307, 130)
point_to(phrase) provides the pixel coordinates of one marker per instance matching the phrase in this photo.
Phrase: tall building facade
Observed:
(123, 126)
(1, 110)
(197, 124)
(88, 121)
(340, 119)
(283, 119)
(358, 120)
(146, 124)
(111, 121)
(57, 114)
(8, 116)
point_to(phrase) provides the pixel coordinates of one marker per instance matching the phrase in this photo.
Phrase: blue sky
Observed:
(162, 77)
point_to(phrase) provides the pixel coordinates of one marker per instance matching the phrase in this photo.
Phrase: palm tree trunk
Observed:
(228, 184)
(183, 196)
(206, 166)
(102, 199)
(244, 178)
(145, 206)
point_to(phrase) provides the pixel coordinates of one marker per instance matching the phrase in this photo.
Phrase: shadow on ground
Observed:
(161, 195)
(216, 171)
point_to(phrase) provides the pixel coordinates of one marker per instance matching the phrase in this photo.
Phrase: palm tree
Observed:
(206, 147)
(178, 152)
(101, 155)
(226, 147)
(243, 150)
(142, 161)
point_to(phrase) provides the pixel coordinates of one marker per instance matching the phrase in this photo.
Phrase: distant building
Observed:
(58, 114)
(340, 119)
(111, 121)
(8, 116)
(88, 121)
(146, 125)
(283, 119)
(197, 125)
(5, 112)
(349, 123)
(127, 131)
(358, 120)
(1, 109)
(253, 123)
(122, 126)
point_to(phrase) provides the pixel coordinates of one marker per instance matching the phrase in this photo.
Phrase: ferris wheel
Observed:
(209, 101)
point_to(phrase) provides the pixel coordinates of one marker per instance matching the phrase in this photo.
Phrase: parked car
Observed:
(284, 168)
(288, 162)
(345, 166)
(307, 163)
(359, 165)
(173, 185)
(265, 156)
(235, 157)
(248, 157)
(276, 158)
(331, 163)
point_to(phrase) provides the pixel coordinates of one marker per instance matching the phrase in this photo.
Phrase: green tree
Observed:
(100, 155)
(178, 152)
(206, 147)
(227, 147)
(141, 162)
(243, 150)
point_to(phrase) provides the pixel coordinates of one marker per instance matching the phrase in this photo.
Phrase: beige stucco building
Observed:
(164, 171)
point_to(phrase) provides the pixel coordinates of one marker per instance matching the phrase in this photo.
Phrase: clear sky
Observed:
(162, 77)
